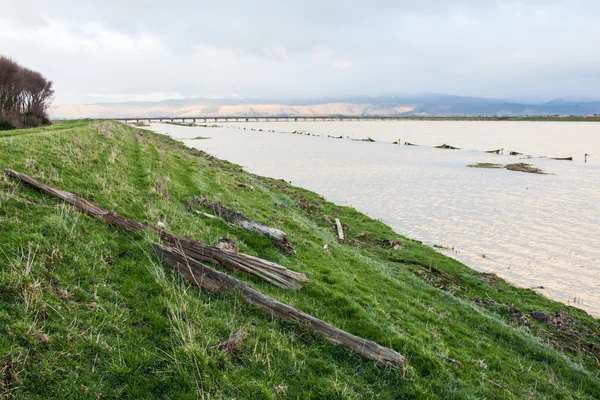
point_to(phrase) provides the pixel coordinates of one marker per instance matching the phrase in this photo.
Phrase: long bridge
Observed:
(273, 118)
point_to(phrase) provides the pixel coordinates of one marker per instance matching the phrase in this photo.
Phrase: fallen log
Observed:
(270, 272)
(279, 238)
(340, 229)
(215, 281)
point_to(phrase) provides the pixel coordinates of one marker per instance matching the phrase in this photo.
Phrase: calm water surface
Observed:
(534, 230)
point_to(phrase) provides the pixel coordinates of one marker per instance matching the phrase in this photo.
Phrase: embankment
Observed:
(87, 310)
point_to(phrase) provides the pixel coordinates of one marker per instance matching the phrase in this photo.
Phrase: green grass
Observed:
(485, 165)
(87, 310)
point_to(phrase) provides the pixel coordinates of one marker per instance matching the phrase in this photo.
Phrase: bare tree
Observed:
(25, 95)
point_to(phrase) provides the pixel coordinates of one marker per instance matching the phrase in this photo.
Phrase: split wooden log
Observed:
(340, 229)
(215, 281)
(279, 238)
(270, 272)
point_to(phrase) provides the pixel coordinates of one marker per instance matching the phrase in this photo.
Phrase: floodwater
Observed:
(533, 230)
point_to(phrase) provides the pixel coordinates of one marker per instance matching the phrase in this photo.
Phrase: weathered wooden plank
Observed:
(215, 281)
(270, 272)
(279, 238)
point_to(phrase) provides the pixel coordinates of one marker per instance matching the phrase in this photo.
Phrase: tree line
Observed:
(25, 96)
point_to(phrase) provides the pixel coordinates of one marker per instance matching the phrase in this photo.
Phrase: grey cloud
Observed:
(534, 48)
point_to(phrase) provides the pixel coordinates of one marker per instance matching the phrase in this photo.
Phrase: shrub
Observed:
(6, 126)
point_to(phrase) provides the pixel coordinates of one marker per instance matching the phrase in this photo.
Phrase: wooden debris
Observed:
(279, 238)
(233, 343)
(215, 281)
(340, 229)
(270, 272)
(227, 244)
(394, 244)
(497, 151)
(446, 146)
(563, 158)
(207, 215)
(245, 185)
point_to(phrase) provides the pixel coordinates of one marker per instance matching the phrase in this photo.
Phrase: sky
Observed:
(117, 50)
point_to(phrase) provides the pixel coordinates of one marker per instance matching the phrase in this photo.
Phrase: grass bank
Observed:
(88, 311)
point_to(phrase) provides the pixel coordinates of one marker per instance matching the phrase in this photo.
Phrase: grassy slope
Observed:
(87, 309)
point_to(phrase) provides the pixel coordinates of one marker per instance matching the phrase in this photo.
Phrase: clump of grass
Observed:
(521, 167)
(485, 165)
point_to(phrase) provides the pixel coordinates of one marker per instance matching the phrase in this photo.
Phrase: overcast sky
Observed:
(113, 50)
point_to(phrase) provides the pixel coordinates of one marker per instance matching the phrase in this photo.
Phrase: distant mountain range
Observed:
(419, 105)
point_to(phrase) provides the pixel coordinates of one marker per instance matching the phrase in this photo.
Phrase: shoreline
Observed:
(446, 252)
(550, 291)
